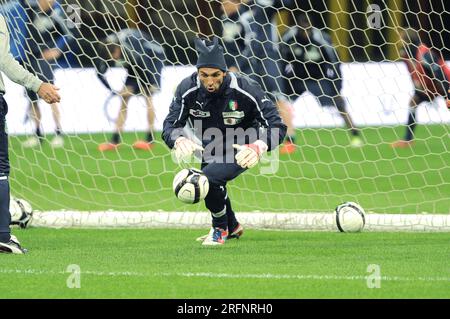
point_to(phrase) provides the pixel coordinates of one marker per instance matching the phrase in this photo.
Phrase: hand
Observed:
(184, 148)
(51, 54)
(49, 93)
(248, 155)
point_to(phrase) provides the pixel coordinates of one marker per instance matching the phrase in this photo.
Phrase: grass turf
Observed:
(322, 173)
(162, 263)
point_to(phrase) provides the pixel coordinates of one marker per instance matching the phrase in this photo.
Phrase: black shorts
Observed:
(137, 86)
(325, 90)
(145, 82)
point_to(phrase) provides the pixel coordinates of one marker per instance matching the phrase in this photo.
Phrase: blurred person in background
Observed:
(143, 58)
(312, 64)
(249, 34)
(430, 76)
(47, 41)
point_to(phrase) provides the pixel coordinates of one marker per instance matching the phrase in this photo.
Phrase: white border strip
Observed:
(255, 220)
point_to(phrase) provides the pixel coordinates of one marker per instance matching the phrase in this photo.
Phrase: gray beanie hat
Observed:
(210, 55)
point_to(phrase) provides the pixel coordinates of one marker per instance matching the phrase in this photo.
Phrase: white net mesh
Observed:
(79, 38)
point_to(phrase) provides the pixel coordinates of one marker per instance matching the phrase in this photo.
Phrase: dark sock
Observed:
(232, 221)
(58, 131)
(5, 217)
(149, 137)
(115, 139)
(341, 107)
(411, 125)
(39, 134)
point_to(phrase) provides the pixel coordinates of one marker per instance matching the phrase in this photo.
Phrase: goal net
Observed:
(372, 84)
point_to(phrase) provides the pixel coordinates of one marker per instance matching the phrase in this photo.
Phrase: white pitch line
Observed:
(222, 275)
(54, 272)
(304, 277)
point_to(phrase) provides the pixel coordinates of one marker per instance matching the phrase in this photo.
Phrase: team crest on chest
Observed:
(232, 105)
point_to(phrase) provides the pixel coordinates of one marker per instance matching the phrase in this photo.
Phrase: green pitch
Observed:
(323, 173)
(262, 264)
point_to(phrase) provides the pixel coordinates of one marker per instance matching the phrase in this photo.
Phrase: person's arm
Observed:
(271, 133)
(178, 113)
(12, 69)
(101, 61)
(16, 73)
(101, 67)
(173, 133)
(273, 130)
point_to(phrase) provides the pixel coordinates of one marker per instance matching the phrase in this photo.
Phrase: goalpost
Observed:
(78, 186)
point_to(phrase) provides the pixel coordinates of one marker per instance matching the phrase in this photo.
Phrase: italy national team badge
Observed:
(233, 105)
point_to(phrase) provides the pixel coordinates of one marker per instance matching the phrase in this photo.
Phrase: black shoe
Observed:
(237, 232)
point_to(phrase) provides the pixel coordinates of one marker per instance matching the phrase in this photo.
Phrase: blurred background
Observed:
(378, 96)
(176, 22)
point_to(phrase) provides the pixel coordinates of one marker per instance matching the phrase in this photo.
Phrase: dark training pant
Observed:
(217, 200)
(5, 217)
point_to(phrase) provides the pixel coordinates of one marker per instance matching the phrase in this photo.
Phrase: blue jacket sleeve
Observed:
(176, 119)
(272, 129)
(102, 66)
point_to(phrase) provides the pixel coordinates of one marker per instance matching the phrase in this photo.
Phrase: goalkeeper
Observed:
(219, 106)
(430, 76)
(12, 69)
(143, 58)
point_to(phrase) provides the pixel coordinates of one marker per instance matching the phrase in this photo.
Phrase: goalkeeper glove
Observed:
(248, 155)
(184, 148)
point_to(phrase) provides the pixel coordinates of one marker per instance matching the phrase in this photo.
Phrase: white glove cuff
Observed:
(262, 146)
(179, 140)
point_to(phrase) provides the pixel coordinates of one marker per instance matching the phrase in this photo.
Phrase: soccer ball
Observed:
(350, 217)
(190, 185)
(21, 212)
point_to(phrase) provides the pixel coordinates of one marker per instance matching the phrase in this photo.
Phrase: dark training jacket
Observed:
(240, 104)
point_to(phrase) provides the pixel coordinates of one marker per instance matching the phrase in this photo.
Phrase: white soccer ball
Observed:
(190, 185)
(21, 212)
(350, 217)
(15, 210)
